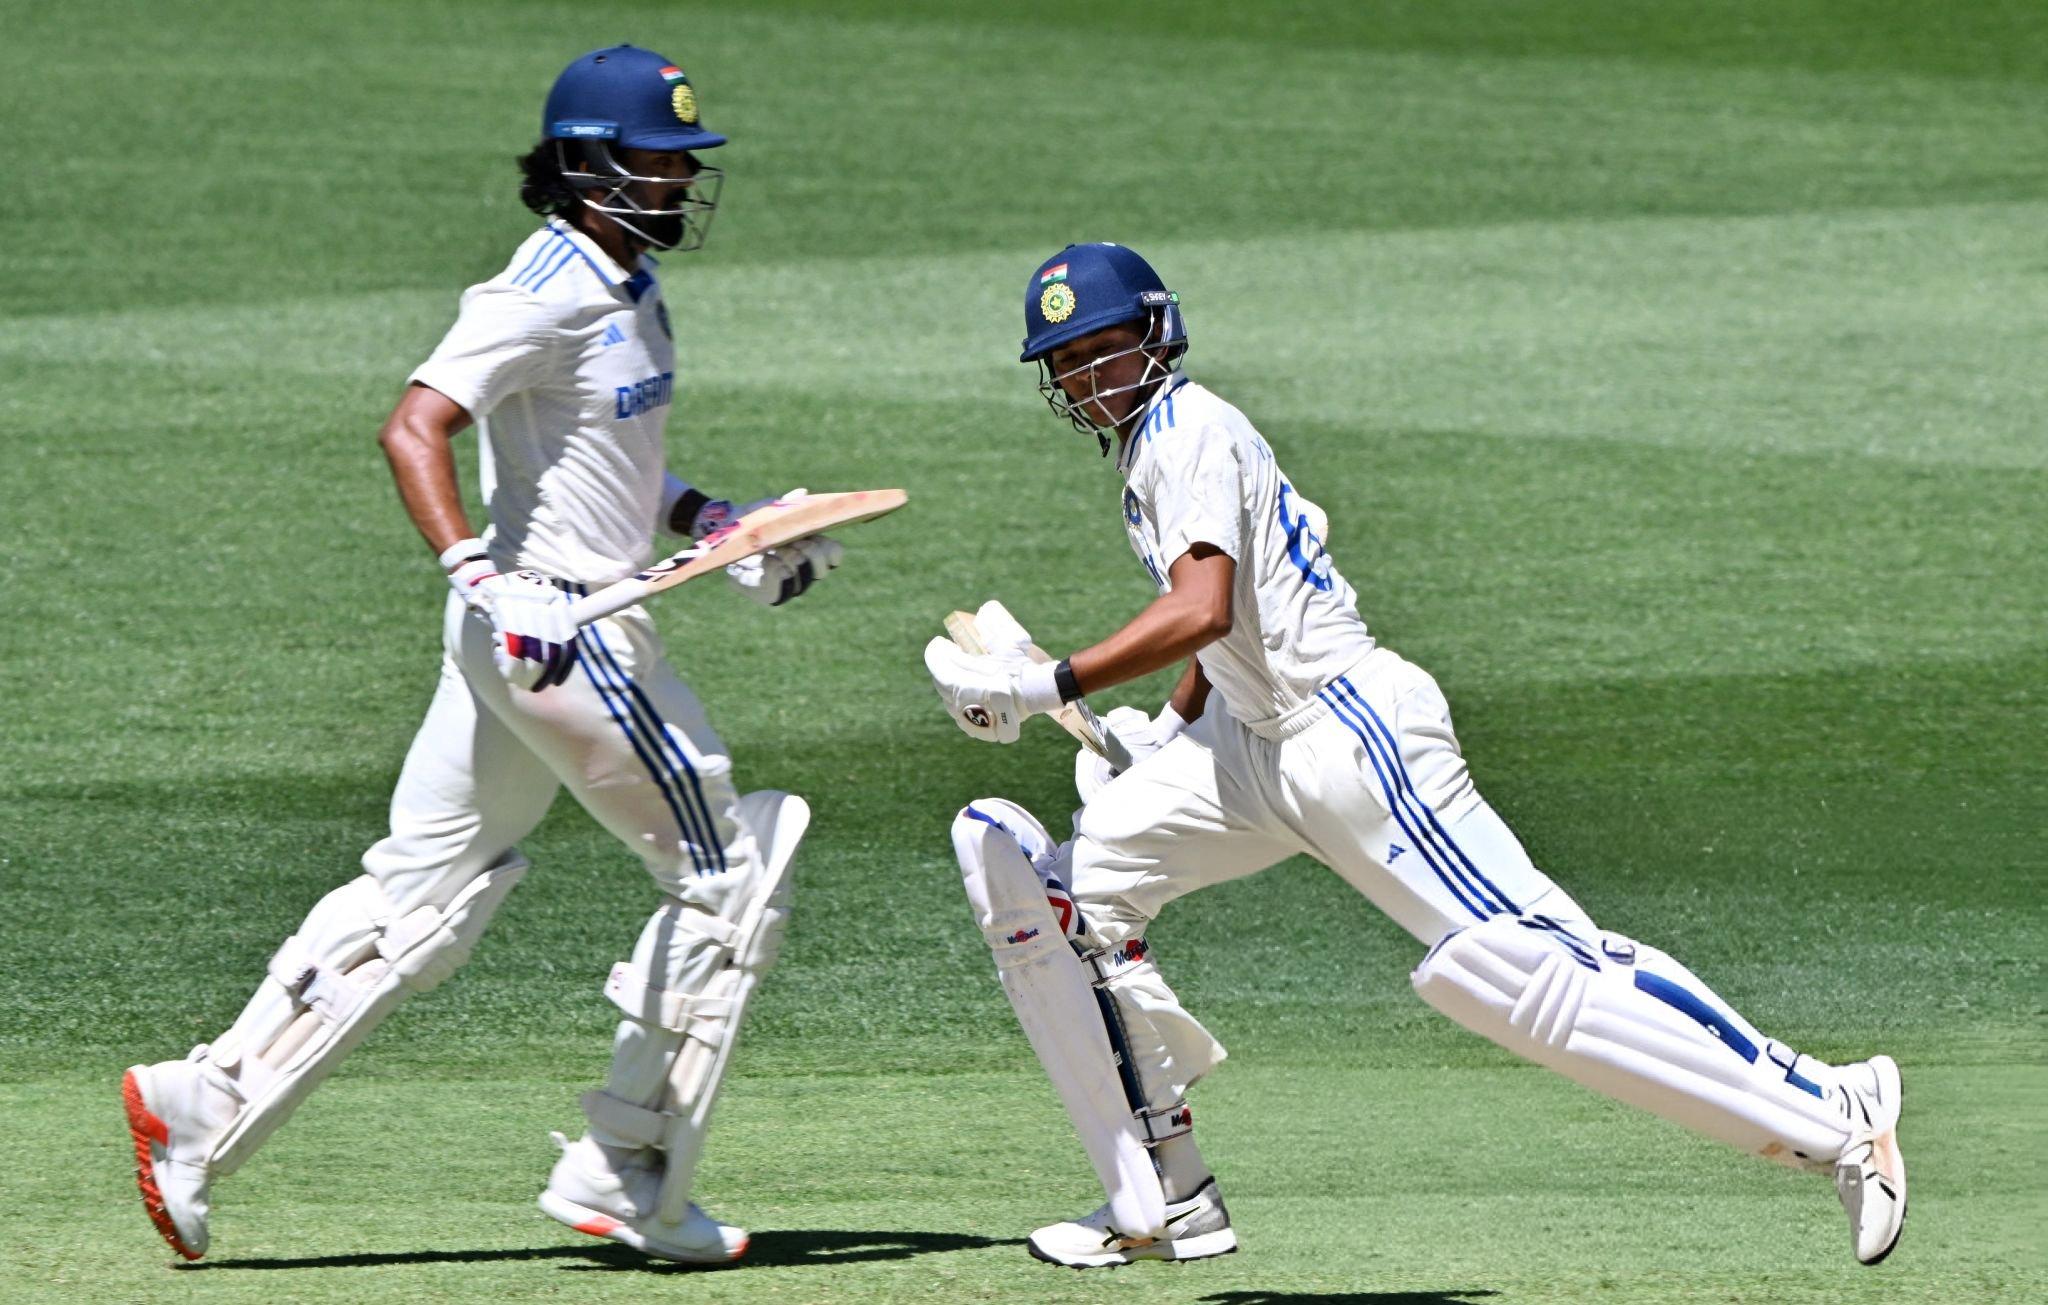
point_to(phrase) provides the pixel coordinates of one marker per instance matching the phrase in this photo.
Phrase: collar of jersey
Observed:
(600, 262)
(1129, 455)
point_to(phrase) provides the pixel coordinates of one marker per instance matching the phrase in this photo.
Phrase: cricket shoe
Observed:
(176, 1110)
(1871, 1173)
(586, 1192)
(1196, 1229)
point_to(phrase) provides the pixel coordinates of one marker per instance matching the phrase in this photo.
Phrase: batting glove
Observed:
(533, 641)
(780, 574)
(990, 695)
(1140, 735)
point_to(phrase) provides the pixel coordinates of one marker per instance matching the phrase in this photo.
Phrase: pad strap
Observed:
(312, 985)
(697, 1016)
(1166, 1123)
(1108, 963)
(630, 1124)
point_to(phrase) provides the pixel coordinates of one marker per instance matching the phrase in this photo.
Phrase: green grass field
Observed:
(1673, 376)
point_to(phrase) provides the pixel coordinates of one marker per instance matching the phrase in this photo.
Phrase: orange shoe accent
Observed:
(742, 1248)
(146, 1128)
(600, 1225)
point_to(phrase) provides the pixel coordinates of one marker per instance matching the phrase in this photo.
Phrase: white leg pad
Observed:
(676, 1041)
(778, 822)
(349, 964)
(1593, 1007)
(1050, 989)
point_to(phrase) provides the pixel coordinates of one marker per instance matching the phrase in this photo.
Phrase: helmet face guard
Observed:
(1161, 354)
(607, 186)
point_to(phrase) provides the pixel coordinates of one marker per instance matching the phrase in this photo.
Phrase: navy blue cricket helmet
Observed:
(1084, 288)
(630, 97)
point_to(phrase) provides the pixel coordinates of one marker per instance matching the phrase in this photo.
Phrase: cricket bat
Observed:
(1076, 718)
(766, 527)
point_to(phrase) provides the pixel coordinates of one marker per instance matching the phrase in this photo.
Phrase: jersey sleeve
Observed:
(1200, 495)
(498, 346)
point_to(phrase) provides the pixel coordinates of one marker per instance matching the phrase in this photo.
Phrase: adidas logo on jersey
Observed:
(612, 335)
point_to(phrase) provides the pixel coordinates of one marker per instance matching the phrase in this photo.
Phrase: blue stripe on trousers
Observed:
(589, 664)
(712, 845)
(1395, 809)
(1428, 813)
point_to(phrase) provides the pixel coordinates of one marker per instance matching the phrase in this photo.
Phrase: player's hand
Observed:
(1143, 735)
(984, 694)
(780, 574)
(533, 641)
(1140, 735)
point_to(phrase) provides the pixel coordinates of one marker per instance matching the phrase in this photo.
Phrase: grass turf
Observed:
(1672, 381)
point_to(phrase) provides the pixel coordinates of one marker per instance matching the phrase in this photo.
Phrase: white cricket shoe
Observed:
(1196, 1228)
(1871, 1173)
(591, 1196)
(175, 1111)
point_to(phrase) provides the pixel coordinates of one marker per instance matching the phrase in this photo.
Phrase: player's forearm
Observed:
(423, 467)
(1170, 629)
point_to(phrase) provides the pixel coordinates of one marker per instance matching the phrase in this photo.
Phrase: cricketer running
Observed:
(1292, 731)
(565, 364)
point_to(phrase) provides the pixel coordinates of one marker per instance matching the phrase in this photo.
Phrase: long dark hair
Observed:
(542, 187)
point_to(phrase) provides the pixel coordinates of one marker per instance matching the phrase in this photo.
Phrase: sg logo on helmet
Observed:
(1057, 302)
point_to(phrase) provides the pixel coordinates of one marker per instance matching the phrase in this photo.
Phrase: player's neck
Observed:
(609, 236)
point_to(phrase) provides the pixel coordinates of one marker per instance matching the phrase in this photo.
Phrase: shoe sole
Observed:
(1206, 1246)
(1890, 1160)
(596, 1223)
(150, 1134)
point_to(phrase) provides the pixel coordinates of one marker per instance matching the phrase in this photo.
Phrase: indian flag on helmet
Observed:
(1057, 272)
(671, 74)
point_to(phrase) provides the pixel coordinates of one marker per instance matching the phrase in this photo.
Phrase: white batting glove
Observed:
(989, 696)
(780, 574)
(533, 641)
(1144, 735)
(1140, 735)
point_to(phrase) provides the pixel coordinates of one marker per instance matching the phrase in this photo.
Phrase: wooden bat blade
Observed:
(766, 527)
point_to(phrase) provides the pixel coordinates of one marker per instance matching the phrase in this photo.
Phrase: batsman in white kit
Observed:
(1291, 731)
(565, 362)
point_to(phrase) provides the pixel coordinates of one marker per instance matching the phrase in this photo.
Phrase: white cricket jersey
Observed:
(1195, 471)
(566, 363)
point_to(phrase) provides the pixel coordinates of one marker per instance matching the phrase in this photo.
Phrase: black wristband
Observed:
(1063, 679)
(684, 514)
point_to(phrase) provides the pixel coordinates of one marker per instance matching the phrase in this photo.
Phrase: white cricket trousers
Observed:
(1369, 781)
(623, 734)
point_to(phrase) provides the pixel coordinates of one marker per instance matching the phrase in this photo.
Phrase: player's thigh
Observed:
(470, 789)
(631, 742)
(1177, 821)
(1388, 803)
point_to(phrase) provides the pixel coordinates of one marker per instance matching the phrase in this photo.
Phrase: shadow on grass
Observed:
(1346, 1297)
(768, 1249)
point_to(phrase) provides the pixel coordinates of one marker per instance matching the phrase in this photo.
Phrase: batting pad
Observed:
(1595, 1009)
(1049, 989)
(332, 982)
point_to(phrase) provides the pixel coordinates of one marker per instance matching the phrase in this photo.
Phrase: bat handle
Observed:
(606, 601)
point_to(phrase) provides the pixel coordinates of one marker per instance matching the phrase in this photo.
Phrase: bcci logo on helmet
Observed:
(1057, 302)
